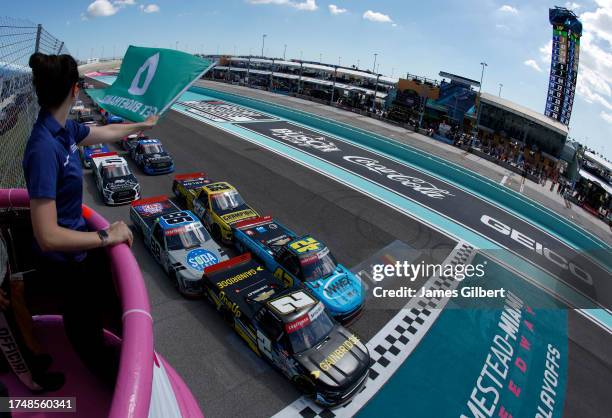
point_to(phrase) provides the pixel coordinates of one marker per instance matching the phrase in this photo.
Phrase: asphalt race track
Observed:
(226, 377)
(462, 207)
(223, 374)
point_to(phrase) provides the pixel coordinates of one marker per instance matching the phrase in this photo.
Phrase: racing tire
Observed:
(175, 282)
(207, 295)
(304, 384)
(239, 247)
(137, 229)
(181, 200)
(228, 318)
(215, 231)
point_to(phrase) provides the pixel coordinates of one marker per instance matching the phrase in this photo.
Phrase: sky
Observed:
(416, 37)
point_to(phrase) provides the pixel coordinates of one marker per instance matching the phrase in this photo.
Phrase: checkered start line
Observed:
(392, 345)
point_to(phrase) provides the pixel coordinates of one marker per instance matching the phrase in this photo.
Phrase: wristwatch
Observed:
(103, 234)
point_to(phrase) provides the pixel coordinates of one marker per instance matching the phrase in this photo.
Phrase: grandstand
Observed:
(345, 85)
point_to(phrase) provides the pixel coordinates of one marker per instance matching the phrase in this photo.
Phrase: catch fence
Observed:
(18, 106)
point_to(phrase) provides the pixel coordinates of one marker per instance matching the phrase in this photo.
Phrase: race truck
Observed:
(127, 143)
(290, 329)
(149, 154)
(90, 123)
(85, 115)
(187, 187)
(114, 180)
(177, 240)
(77, 107)
(89, 150)
(217, 204)
(108, 118)
(302, 259)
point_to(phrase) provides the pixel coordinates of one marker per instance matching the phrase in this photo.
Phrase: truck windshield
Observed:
(152, 148)
(185, 237)
(318, 265)
(309, 330)
(227, 201)
(112, 171)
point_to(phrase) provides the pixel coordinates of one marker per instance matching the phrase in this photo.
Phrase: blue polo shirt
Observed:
(52, 170)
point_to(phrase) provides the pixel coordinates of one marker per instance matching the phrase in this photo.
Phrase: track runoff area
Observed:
(522, 353)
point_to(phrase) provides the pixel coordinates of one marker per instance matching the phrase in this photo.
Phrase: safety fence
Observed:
(18, 106)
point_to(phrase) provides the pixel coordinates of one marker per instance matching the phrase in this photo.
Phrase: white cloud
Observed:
(377, 17)
(335, 10)
(101, 8)
(546, 52)
(606, 116)
(149, 8)
(600, 21)
(572, 5)
(508, 9)
(308, 5)
(533, 64)
(500, 26)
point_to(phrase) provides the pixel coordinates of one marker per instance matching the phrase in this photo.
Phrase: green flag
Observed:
(149, 82)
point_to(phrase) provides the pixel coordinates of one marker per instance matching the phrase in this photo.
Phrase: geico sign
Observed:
(537, 247)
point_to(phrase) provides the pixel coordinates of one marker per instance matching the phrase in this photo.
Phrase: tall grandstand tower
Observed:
(567, 30)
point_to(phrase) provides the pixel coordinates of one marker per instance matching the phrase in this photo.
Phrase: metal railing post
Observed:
(249, 72)
(38, 33)
(229, 70)
(375, 93)
(331, 102)
(300, 78)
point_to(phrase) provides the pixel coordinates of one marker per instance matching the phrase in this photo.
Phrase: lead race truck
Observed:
(177, 240)
(290, 329)
(302, 259)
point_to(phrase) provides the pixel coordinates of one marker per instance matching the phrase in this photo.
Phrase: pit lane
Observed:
(227, 378)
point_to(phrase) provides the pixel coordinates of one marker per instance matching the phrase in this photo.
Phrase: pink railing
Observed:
(132, 393)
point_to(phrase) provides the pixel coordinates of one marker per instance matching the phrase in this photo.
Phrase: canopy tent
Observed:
(320, 67)
(327, 83)
(588, 176)
(598, 160)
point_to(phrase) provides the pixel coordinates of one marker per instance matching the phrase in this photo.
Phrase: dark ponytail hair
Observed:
(53, 77)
